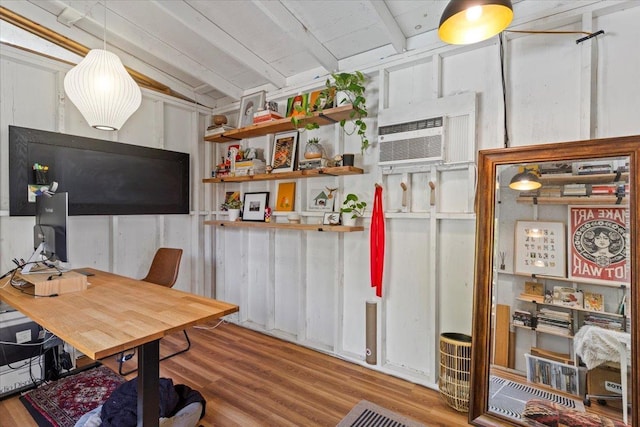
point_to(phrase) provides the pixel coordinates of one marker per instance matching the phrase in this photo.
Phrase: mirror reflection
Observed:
(560, 324)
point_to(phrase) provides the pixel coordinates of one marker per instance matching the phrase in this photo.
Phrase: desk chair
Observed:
(164, 272)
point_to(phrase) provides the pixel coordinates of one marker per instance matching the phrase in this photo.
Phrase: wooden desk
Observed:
(117, 313)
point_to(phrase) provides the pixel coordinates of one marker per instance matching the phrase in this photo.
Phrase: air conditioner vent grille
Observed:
(434, 122)
(412, 149)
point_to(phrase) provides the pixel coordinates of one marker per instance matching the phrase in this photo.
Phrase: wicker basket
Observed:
(455, 367)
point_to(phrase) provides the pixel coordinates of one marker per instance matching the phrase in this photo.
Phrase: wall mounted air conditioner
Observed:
(440, 130)
(418, 141)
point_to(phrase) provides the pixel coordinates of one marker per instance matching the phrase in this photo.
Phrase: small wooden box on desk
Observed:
(51, 284)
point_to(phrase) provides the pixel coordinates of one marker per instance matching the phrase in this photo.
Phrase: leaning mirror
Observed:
(555, 333)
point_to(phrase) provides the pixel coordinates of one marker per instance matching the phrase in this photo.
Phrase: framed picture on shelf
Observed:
(254, 205)
(285, 147)
(331, 218)
(598, 243)
(540, 248)
(321, 199)
(248, 106)
(286, 196)
(301, 100)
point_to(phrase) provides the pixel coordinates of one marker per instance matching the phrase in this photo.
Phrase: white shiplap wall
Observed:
(312, 287)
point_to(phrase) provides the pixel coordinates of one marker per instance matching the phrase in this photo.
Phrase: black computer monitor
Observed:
(50, 231)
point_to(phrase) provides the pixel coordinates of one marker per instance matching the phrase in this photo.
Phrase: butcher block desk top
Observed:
(115, 313)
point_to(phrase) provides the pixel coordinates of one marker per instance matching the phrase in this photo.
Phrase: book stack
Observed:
(554, 321)
(575, 190)
(603, 322)
(555, 169)
(217, 130)
(592, 168)
(249, 167)
(523, 318)
(266, 116)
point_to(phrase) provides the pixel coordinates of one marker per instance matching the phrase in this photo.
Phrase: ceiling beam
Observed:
(194, 16)
(398, 40)
(287, 22)
(130, 23)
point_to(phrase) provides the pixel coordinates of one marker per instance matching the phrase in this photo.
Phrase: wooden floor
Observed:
(250, 379)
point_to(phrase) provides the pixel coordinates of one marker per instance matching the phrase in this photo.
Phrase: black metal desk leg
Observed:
(149, 384)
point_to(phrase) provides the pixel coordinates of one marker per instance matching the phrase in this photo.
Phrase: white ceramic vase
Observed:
(348, 221)
(234, 214)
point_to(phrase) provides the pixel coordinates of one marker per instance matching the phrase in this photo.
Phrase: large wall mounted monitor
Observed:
(102, 177)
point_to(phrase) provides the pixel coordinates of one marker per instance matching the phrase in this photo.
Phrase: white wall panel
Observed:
(357, 290)
(137, 241)
(89, 241)
(257, 281)
(406, 293)
(456, 253)
(287, 287)
(478, 71)
(321, 265)
(410, 85)
(543, 89)
(618, 97)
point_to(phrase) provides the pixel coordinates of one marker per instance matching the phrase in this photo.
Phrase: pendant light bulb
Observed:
(525, 181)
(102, 89)
(471, 21)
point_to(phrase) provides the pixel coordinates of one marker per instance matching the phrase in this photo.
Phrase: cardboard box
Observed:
(605, 380)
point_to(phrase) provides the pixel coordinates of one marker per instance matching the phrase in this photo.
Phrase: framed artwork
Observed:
(254, 205)
(322, 199)
(285, 147)
(331, 218)
(318, 100)
(540, 248)
(300, 100)
(286, 196)
(599, 243)
(248, 105)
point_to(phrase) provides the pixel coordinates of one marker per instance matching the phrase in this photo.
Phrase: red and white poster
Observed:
(599, 243)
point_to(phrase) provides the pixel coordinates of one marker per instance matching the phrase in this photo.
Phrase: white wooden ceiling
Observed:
(218, 50)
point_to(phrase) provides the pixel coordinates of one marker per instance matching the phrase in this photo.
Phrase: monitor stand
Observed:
(34, 259)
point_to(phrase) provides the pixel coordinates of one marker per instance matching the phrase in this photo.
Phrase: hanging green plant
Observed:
(352, 86)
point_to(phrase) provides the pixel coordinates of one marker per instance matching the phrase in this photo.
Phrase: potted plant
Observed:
(233, 206)
(348, 88)
(313, 149)
(352, 209)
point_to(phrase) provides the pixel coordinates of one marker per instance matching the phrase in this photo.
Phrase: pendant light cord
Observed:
(104, 29)
(504, 91)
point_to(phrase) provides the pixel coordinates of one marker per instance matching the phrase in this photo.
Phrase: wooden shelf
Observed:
(594, 282)
(543, 332)
(604, 313)
(304, 227)
(605, 178)
(309, 173)
(326, 117)
(574, 200)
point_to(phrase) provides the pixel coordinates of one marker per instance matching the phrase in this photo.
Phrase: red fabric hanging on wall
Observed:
(376, 242)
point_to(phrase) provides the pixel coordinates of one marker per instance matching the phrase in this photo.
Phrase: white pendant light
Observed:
(102, 89)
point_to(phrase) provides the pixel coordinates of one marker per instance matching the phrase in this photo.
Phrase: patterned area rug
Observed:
(63, 402)
(367, 414)
(508, 398)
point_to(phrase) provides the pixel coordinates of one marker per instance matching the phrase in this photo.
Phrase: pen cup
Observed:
(41, 177)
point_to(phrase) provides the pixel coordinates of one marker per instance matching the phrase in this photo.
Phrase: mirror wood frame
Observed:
(488, 162)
